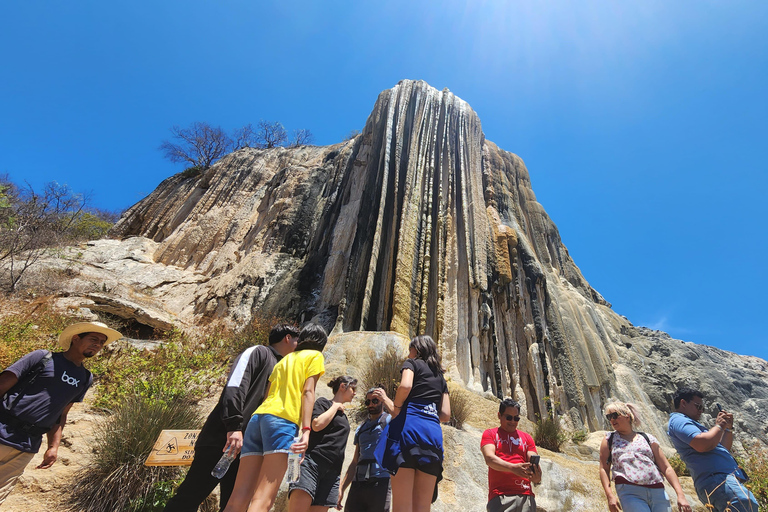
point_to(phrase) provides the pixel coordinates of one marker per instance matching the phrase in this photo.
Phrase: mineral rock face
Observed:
(421, 226)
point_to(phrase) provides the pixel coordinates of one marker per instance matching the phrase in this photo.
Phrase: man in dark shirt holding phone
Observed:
(513, 463)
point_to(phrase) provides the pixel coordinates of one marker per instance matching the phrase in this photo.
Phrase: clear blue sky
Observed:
(644, 124)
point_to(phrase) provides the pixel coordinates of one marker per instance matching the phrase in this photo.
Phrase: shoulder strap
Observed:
(30, 377)
(610, 447)
(648, 440)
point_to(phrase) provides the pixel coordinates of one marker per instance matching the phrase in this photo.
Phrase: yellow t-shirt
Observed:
(287, 382)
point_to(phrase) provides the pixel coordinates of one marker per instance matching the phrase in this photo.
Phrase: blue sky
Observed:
(643, 124)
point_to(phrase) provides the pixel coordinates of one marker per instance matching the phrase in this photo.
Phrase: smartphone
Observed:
(719, 408)
(535, 460)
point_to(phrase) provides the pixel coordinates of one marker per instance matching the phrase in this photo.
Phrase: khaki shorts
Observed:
(512, 503)
(12, 464)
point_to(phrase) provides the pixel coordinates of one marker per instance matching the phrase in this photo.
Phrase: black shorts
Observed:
(373, 495)
(432, 468)
(320, 483)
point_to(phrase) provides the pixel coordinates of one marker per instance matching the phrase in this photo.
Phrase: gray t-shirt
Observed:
(42, 402)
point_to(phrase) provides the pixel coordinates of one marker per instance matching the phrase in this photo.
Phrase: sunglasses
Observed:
(511, 418)
(612, 416)
(700, 406)
(373, 401)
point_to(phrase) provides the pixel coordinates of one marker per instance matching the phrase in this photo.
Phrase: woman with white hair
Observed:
(637, 464)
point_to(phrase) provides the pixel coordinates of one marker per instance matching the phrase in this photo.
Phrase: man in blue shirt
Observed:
(370, 490)
(706, 452)
(37, 392)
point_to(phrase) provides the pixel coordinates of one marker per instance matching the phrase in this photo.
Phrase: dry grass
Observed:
(117, 479)
(26, 326)
(461, 404)
(383, 372)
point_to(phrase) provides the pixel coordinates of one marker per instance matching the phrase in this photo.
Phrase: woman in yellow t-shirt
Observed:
(272, 428)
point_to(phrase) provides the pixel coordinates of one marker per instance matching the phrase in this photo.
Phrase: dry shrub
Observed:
(460, 405)
(384, 372)
(28, 327)
(117, 479)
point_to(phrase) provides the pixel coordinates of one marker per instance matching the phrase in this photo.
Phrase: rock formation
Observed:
(419, 225)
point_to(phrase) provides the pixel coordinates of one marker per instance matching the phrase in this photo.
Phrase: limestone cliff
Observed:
(421, 225)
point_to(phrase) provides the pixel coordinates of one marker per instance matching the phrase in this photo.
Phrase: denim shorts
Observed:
(268, 434)
(320, 482)
(636, 498)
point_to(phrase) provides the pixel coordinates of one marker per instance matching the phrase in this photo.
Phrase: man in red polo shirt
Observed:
(508, 452)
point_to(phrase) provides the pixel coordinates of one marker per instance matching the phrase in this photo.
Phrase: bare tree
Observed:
(244, 137)
(198, 145)
(351, 135)
(302, 137)
(271, 134)
(31, 222)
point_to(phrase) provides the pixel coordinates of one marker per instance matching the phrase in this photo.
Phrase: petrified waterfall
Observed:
(417, 225)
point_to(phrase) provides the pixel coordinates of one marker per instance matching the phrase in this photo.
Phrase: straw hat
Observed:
(65, 339)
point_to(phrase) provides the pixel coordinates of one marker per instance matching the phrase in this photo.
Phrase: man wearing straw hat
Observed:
(37, 392)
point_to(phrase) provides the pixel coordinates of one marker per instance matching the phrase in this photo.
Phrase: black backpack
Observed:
(610, 444)
(27, 379)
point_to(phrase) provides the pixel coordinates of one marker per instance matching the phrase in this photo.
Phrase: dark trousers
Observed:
(372, 495)
(199, 483)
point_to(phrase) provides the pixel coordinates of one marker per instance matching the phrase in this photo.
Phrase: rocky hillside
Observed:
(417, 225)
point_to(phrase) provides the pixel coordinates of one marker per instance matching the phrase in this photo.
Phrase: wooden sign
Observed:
(173, 448)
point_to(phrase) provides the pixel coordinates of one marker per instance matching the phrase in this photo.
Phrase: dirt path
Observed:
(46, 489)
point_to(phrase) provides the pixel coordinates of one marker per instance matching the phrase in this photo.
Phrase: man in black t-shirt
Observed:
(223, 430)
(37, 392)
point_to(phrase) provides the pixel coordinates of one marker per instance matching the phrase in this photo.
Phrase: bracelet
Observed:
(718, 426)
(729, 430)
(305, 428)
(396, 406)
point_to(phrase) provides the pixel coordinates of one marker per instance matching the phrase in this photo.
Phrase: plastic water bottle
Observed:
(223, 465)
(294, 465)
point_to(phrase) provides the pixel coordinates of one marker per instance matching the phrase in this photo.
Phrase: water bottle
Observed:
(223, 465)
(294, 466)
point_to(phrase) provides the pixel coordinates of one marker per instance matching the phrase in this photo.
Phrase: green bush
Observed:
(549, 434)
(176, 369)
(192, 172)
(255, 333)
(116, 479)
(89, 226)
(678, 465)
(579, 436)
(156, 499)
(756, 466)
(30, 327)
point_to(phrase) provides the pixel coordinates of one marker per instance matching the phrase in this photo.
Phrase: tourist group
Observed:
(268, 421)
